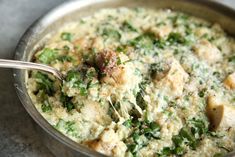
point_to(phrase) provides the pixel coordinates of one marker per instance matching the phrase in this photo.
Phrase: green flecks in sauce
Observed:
(66, 36)
(131, 88)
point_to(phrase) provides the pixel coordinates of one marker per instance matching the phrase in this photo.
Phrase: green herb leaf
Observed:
(145, 41)
(69, 127)
(178, 151)
(46, 107)
(127, 26)
(198, 126)
(47, 55)
(136, 137)
(64, 58)
(160, 43)
(111, 33)
(231, 59)
(201, 93)
(72, 75)
(127, 123)
(133, 148)
(140, 100)
(81, 79)
(166, 151)
(66, 36)
(216, 134)
(176, 38)
(67, 102)
(44, 83)
(154, 126)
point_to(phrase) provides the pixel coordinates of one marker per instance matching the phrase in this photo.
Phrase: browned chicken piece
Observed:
(229, 82)
(115, 74)
(158, 31)
(107, 143)
(174, 78)
(162, 31)
(95, 112)
(97, 43)
(116, 77)
(207, 51)
(106, 61)
(221, 116)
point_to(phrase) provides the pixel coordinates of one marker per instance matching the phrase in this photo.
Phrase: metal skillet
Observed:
(38, 33)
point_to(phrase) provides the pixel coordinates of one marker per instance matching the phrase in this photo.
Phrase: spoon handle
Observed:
(4, 63)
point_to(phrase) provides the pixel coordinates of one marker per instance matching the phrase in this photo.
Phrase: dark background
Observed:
(18, 137)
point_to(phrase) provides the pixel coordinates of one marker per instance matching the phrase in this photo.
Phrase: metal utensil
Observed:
(32, 66)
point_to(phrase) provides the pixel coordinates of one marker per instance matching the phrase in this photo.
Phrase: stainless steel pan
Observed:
(36, 36)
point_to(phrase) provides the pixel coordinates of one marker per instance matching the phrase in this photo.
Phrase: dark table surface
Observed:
(18, 137)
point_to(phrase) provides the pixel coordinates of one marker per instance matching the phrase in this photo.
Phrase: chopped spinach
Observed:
(231, 59)
(216, 134)
(72, 75)
(180, 19)
(111, 33)
(201, 93)
(66, 36)
(143, 130)
(140, 96)
(145, 41)
(81, 79)
(91, 73)
(176, 38)
(69, 127)
(66, 48)
(66, 101)
(46, 107)
(198, 126)
(160, 43)
(128, 123)
(136, 137)
(140, 100)
(127, 26)
(133, 148)
(44, 83)
(64, 58)
(189, 135)
(166, 151)
(76, 77)
(47, 55)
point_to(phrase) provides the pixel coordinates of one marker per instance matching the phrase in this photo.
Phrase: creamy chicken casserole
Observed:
(140, 82)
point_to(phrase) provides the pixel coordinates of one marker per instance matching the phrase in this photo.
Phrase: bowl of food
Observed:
(142, 78)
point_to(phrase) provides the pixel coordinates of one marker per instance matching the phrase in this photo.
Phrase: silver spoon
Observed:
(35, 66)
(29, 65)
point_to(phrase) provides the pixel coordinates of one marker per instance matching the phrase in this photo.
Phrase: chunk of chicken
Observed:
(229, 82)
(98, 43)
(161, 31)
(93, 111)
(118, 76)
(221, 116)
(106, 61)
(174, 79)
(108, 143)
(115, 74)
(207, 51)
